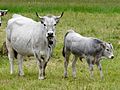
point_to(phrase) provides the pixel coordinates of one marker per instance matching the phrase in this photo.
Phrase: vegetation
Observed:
(94, 18)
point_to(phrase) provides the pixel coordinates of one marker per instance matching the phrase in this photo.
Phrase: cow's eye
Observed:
(44, 24)
(54, 24)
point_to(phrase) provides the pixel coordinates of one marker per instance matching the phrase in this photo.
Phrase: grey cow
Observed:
(30, 38)
(91, 49)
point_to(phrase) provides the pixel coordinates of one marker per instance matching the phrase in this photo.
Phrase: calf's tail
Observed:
(63, 51)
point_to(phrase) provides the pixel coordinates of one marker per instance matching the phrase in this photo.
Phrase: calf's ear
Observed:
(111, 45)
(102, 45)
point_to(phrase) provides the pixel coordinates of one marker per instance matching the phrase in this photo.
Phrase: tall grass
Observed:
(92, 6)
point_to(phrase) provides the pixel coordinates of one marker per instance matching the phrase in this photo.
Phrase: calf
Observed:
(91, 49)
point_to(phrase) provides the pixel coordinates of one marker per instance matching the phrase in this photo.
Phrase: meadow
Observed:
(92, 18)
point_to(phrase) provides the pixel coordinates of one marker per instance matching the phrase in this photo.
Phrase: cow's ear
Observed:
(58, 17)
(42, 20)
(103, 45)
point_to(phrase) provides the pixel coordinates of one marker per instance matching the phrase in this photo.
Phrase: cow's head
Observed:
(49, 22)
(108, 50)
(2, 13)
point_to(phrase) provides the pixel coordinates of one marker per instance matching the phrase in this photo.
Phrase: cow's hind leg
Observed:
(73, 65)
(66, 61)
(10, 55)
(20, 62)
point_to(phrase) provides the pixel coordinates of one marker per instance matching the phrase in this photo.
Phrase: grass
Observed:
(92, 6)
(100, 19)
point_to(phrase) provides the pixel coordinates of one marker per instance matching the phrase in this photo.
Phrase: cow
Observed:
(92, 49)
(31, 39)
(2, 13)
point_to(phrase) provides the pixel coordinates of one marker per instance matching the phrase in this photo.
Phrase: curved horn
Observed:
(38, 15)
(60, 15)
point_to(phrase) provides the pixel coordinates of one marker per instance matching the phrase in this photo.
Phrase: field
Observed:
(94, 18)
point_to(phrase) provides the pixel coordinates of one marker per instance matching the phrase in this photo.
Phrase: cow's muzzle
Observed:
(50, 33)
(50, 40)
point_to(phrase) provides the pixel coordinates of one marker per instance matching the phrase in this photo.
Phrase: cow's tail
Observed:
(13, 51)
(63, 51)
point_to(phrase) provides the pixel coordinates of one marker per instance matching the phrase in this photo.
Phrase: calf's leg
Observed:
(73, 66)
(66, 61)
(89, 61)
(100, 69)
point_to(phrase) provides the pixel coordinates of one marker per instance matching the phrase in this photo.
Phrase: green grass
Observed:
(92, 6)
(100, 19)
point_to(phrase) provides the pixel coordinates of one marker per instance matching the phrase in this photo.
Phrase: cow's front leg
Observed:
(40, 62)
(100, 69)
(42, 66)
(41, 70)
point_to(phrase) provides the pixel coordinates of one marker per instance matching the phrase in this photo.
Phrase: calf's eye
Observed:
(107, 49)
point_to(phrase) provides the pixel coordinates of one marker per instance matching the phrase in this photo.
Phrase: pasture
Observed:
(94, 18)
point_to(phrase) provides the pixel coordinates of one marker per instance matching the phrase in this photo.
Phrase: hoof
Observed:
(11, 72)
(21, 74)
(74, 77)
(65, 76)
(41, 78)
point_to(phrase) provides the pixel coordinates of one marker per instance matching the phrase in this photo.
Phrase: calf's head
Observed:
(108, 50)
(50, 23)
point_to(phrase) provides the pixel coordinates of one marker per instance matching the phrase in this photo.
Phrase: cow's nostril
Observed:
(50, 34)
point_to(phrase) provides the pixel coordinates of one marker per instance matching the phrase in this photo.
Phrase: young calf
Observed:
(85, 47)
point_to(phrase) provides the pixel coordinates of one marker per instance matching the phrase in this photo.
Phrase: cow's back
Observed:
(24, 38)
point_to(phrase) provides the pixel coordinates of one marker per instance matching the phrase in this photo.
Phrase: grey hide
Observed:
(27, 37)
(92, 49)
